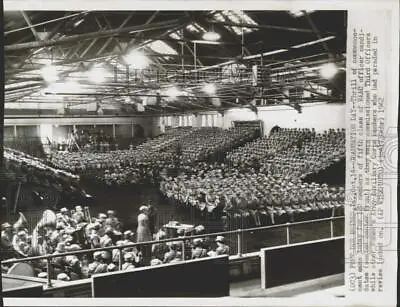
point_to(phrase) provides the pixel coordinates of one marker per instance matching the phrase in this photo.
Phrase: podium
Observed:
(172, 228)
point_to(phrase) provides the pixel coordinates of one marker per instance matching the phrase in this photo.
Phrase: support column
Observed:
(197, 120)
(113, 126)
(286, 92)
(175, 121)
(15, 131)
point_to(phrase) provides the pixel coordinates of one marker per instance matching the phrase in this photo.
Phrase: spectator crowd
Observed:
(74, 230)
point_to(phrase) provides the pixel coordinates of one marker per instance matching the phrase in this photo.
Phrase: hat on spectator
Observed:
(128, 256)
(102, 216)
(220, 239)
(108, 230)
(69, 258)
(60, 247)
(111, 267)
(111, 212)
(62, 210)
(78, 208)
(21, 233)
(42, 275)
(97, 255)
(199, 228)
(120, 243)
(74, 247)
(74, 261)
(6, 225)
(155, 261)
(105, 255)
(197, 241)
(128, 233)
(63, 276)
(143, 208)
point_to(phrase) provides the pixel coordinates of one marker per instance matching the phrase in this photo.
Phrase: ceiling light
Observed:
(172, 92)
(63, 87)
(300, 13)
(264, 54)
(211, 36)
(49, 73)
(71, 87)
(97, 75)
(206, 42)
(136, 60)
(79, 22)
(209, 88)
(328, 70)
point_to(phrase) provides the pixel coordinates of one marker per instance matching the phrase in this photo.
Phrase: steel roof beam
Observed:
(45, 22)
(263, 26)
(98, 34)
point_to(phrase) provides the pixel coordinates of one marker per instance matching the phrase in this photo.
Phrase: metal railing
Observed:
(239, 234)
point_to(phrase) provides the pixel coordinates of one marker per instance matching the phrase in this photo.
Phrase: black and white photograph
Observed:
(174, 153)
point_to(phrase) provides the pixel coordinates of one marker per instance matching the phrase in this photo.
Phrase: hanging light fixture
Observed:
(97, 74)
(209, 88)
(328, 70)
(136, 59)
(211, 35)
(49, 73)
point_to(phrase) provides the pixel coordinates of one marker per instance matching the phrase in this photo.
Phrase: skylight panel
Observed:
(248, 19)
(300, 13)
(239, 17)
(236, 17)
(238, 30)
(219, 17)
(175, 35)
(192, 28)
(232, 16)
(161, 47)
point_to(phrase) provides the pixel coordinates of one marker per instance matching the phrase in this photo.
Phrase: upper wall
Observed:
(124, 126)
(320, 116)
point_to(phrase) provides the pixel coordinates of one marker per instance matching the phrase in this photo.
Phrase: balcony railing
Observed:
(238, 233)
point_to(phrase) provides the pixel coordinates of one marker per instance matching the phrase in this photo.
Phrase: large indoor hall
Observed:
(144, 142)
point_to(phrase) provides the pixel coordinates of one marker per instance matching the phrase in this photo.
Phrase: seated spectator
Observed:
(128, 262)
(171, 253)
(198, 251)
(222, 248)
